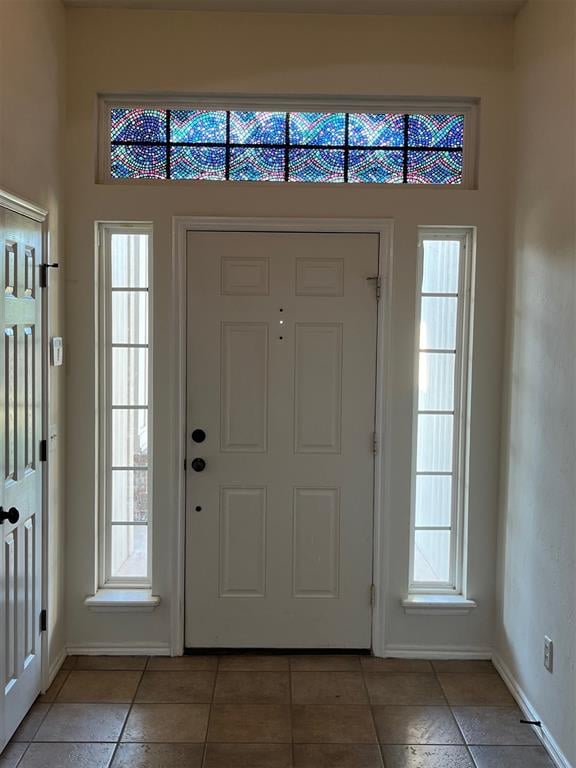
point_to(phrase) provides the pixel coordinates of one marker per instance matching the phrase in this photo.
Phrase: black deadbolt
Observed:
(12, 515)
(198, 435)
(198, 465)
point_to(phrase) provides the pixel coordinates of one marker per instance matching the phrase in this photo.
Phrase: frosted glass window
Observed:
(125, 403)
(439, 412)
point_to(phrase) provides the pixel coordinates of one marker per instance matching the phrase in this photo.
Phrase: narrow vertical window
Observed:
(440, 420)
(125, 412)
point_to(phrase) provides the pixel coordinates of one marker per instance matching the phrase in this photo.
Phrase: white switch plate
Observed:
(548, 654)
(56, 350)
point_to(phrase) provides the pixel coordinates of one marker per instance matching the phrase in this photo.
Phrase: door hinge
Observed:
(374, 443)
(372, 594)
(43, 620)
(43, 450)
(377, 280)
(44, 273)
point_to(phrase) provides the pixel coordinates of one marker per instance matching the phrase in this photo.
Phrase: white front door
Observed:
(21, 479)
(281, 379)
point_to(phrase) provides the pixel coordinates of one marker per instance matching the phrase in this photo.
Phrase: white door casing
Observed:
(21, 483)
(281, 356)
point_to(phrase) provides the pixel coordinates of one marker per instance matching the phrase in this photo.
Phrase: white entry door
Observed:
(21, 475)
(281, 379)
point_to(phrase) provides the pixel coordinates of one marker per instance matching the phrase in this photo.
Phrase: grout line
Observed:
(372, 717)
(124, 724)
(211, 705)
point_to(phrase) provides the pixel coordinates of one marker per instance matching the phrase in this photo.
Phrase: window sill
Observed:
(122, 600)
(437, 605)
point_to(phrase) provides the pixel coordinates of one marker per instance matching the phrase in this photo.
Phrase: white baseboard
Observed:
(120, 649)
(436, 652)
(548, 742)
(56, 665)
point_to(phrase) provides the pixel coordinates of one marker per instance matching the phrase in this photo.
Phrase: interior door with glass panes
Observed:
(281, 398)
(21, 486)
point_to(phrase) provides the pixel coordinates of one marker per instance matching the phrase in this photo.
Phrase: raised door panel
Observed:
(242, 542)
(244, 387)
(316, 542)
(318, 388)
(319, 277)
(245, 276)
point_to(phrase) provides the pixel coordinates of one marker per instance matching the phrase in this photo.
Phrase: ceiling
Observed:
(385, 7)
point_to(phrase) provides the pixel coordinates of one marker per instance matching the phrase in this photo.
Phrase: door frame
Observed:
(36, 213)
(384, 228)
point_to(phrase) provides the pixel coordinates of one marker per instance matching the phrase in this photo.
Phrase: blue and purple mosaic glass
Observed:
(443, 131)
(207, 163)
(316, 165)
(256, 164)
(371, 130)
(425, 167)
(138, 161)
(376, 166)
(318, 128)
(197, 126)
(257, 127)
(323, 147)
(138, 125)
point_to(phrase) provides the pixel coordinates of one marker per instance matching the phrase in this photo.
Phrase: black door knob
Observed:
(198, 465)
(12, 515)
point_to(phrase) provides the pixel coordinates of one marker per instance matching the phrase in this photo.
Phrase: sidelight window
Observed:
(440, 411)
(124, 403)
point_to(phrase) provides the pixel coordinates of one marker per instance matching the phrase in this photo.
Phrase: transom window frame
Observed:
(457, 584)
(104, 233)
(469, 108)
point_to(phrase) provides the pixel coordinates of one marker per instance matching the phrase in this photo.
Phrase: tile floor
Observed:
(274, 712)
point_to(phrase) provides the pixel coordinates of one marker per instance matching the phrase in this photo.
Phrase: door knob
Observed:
(198, 465)
(12, 515)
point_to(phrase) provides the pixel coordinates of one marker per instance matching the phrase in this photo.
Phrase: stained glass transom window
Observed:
(332, 147)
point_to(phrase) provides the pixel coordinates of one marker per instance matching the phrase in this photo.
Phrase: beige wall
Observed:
(536, 590)
(32, 92)
(183, 52)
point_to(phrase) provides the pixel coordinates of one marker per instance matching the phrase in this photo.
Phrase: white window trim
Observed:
(456, 588)
(104, 232)
(468, 107)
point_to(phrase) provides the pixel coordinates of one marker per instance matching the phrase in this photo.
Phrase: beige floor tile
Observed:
(12, 754)
(324, 663)
(250, 723)
(55, 687)
(372, 664)
(511, 757)
(416, 725)
(465, 666)
(29, 726)
(427, 757)
(180, 686)
(403, 688)
(480, 690)
(249, 663)
(248, 756)
(252, 688)
(494, 726)
(83, 722)
(158, 756)
(167, 723)
(190, 663)
(332, 724)
(115, 663)
(337, 756)
(70, 662)
(99, 686)
(328, 688)
(67, 756)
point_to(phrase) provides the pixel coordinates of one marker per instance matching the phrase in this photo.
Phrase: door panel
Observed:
(21, 486)
(281, 376)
